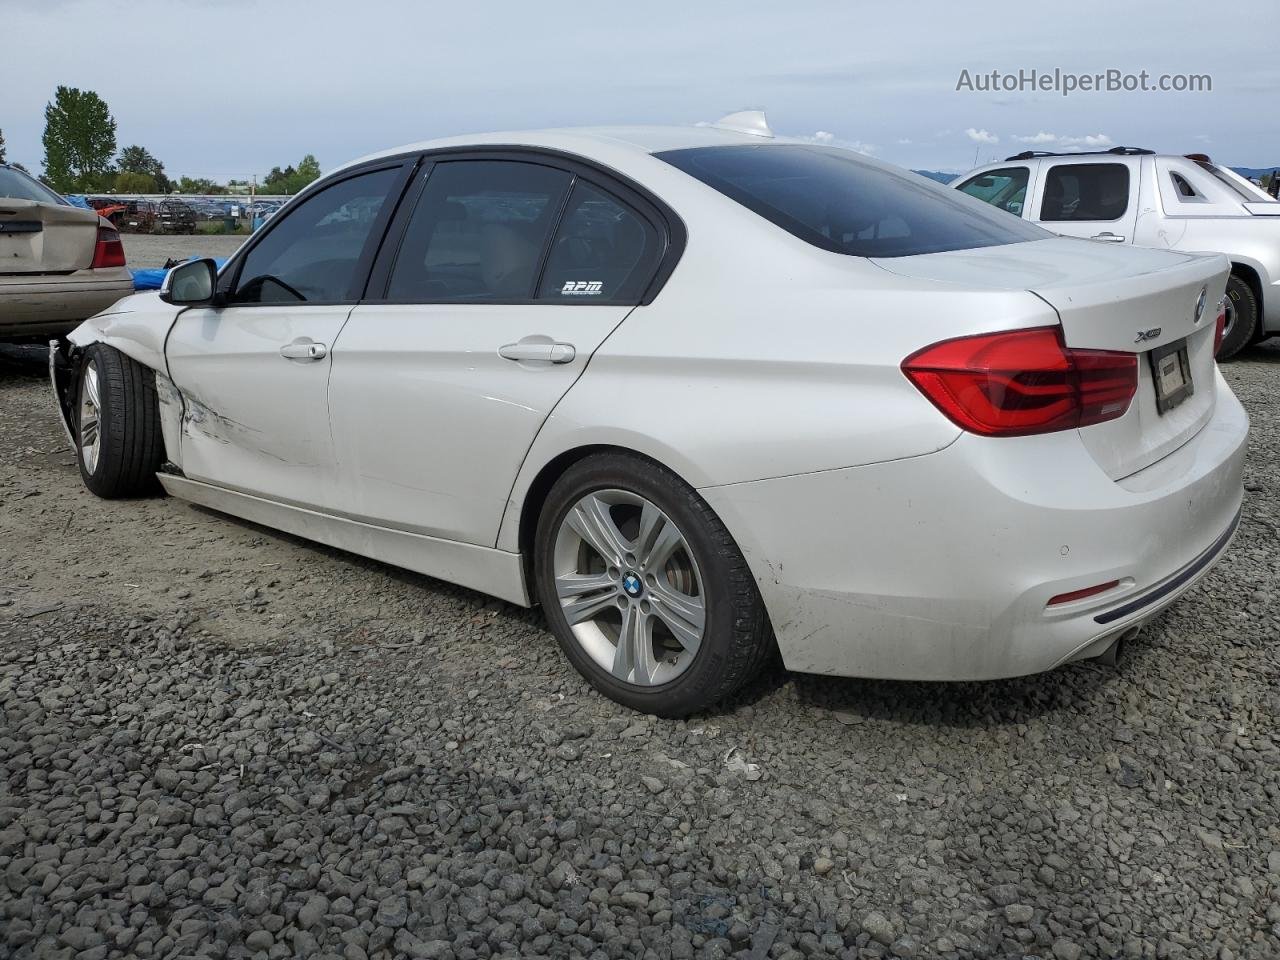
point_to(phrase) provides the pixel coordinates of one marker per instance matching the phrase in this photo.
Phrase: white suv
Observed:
(1129, 195)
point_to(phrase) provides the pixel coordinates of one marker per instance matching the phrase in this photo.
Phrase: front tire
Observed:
(119, 445)
(1242, 317)
(646, 591)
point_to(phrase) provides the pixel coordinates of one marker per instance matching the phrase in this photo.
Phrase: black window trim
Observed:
(407, 163)
(634, 197)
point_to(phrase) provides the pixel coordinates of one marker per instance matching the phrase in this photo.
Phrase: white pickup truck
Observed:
(1129, 195)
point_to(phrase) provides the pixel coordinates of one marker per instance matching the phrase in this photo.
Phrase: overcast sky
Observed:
(230, 88)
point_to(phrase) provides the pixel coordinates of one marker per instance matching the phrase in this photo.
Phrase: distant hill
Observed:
(937, 175)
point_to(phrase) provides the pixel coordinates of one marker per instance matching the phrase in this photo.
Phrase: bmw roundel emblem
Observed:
(1200, 301)
(632, 585)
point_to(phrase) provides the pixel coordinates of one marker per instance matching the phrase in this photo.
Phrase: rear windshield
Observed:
(1237, 184)
(839, 202)
(18, 186)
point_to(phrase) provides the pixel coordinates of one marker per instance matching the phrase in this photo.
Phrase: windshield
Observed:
(838, 201)
(18, 186)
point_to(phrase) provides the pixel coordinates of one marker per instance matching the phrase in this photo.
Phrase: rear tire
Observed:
(119, 446)
(699, 626)
(1242, 317)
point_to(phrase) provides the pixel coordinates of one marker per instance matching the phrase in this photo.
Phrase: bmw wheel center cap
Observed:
(633, 586)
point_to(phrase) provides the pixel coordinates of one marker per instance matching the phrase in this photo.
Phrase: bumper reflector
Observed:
(1075, 595)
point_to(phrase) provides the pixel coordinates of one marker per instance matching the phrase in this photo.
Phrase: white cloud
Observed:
(828, 139)
(904, 142)
(981, 136)
(1093, 141)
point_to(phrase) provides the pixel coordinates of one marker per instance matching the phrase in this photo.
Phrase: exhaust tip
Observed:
(1111, 655)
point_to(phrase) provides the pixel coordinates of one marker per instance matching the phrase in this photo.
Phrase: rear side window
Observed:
(835, 200)
(478, 232)
(312, 254)
(1184, 190)
(603, 250)
(1004, 189)
(1085, 191)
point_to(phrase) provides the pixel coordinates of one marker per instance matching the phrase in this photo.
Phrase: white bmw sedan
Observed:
(702, 394)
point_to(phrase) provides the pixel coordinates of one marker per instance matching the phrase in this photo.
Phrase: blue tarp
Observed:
(76, 200)
(150, 278)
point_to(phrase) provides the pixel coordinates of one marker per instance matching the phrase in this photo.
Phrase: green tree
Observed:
(2, 154)
(79, 140)
(291, 180)
(127, 181)
(137, 159)
(199, 185)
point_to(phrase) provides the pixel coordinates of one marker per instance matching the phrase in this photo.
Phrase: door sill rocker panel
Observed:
(495, 572)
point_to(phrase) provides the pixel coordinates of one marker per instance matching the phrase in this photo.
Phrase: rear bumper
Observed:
(940, 567)
(54, 306)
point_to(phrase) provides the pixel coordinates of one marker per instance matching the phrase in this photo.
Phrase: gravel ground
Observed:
(148, 250)
(217, 740)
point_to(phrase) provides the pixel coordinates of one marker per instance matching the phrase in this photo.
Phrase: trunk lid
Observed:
(38, 238)
(1127, 299)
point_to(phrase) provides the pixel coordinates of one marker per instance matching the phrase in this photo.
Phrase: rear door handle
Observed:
(538, 349)
(304, 349)
(1112, 237)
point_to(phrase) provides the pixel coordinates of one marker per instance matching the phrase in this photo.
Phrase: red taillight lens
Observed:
(109, 251)
(1023, 381)
(1220, 329)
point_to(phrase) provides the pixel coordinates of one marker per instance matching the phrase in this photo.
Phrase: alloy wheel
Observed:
(629, 587)
(90, 418)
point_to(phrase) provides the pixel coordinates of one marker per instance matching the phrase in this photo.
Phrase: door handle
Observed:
(1111, 237)
(542, 349)
(304, 349)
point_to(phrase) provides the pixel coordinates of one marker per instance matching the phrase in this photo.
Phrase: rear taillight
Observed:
(1220, 328)
(1023, 381)
(109, 251)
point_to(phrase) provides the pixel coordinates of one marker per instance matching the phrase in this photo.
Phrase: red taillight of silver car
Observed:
(1021, 382)
(109, 251)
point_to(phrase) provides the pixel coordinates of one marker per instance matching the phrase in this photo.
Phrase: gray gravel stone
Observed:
(220, 742)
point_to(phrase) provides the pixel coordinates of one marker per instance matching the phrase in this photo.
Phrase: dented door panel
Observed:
(253, 418)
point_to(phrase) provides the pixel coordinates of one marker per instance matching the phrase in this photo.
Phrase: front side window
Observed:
(602, 250)
(1004, 189)
(1085, 191)
(312, 255)
(841, 202)
(478, 232)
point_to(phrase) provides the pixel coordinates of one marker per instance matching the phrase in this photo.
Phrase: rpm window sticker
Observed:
(582, 288)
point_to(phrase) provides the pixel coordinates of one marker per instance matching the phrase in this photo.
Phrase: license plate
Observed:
(1171, 372)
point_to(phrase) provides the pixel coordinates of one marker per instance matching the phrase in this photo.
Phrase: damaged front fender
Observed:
(62, 379)
(137, 326)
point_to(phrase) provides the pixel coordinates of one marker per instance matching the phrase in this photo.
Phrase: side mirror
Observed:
(191, 283)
